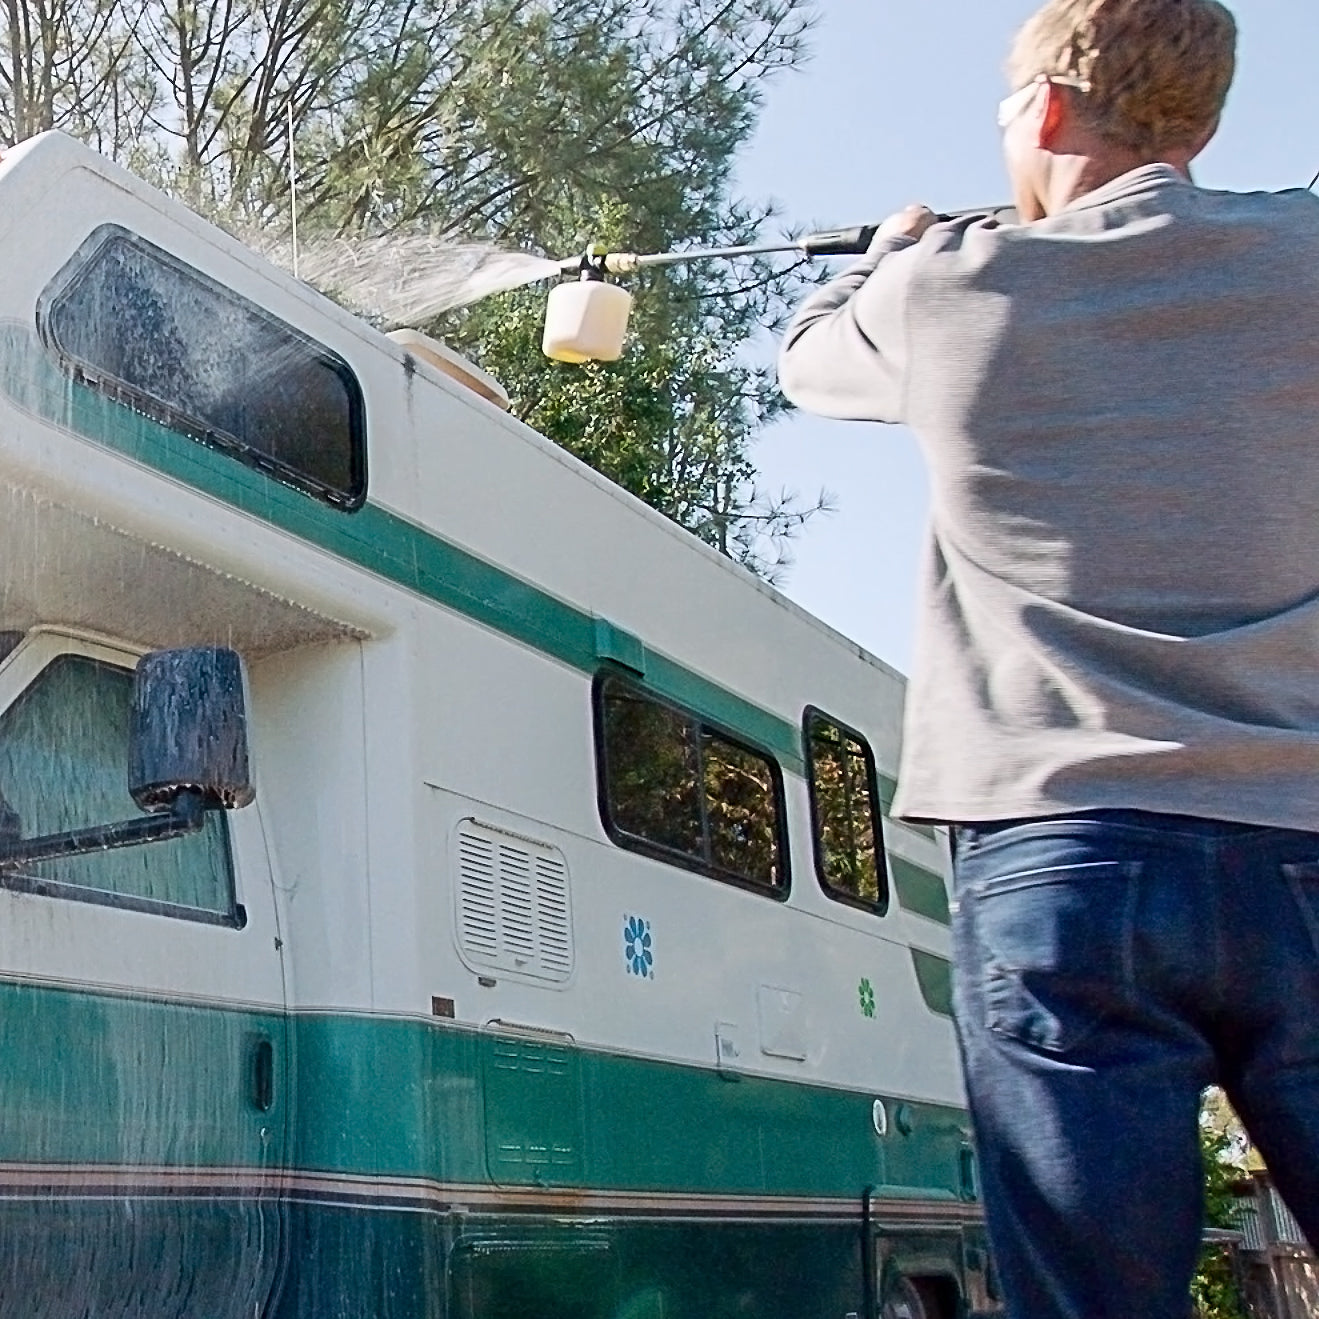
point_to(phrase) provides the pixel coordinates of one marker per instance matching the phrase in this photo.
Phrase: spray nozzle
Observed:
(591, 264)
(596, 263)
(622, 263)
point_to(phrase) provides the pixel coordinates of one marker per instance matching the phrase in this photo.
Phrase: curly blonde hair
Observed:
(1157, 71)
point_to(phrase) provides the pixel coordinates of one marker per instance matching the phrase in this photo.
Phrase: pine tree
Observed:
(539, 125)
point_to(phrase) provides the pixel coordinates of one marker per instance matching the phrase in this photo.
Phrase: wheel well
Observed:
(939, 1295)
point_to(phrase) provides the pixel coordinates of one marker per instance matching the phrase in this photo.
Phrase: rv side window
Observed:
(134, 321)
(63, 765)
(681, 791)
(845, 818)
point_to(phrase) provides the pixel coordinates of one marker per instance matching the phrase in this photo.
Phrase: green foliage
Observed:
(1222, 1173)
(671, 422)
(534, 124)
(675, 419)
(1214, 1289)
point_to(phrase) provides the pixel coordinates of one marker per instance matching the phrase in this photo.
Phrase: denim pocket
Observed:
(1303, 876)
(1055, 948)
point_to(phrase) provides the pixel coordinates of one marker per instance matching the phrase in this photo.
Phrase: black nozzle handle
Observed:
(856, 240)
(840, 242)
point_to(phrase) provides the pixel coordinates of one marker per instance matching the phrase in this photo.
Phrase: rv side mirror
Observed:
(189, 729)
(187, 754)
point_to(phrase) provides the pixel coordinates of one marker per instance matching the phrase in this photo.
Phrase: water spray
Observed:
(586, 320)
(409, 279)
(293, 195)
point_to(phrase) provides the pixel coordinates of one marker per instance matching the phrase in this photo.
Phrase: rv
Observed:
(563, 964)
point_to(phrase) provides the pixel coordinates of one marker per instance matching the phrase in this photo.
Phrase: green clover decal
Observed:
(866, 992)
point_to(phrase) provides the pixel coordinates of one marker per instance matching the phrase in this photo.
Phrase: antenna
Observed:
(293, 192)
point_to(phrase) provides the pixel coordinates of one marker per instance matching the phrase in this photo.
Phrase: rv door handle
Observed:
(263, 1075)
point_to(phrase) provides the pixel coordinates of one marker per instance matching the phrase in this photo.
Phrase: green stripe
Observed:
(719, 706)
(935, 976)
(373, 539)
(888, 790)
(102, 1079)
(94, 1078)
(557, 1115)
(919, 890)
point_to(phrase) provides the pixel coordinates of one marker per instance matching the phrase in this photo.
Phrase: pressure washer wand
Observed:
(624, 263)
(854, 241)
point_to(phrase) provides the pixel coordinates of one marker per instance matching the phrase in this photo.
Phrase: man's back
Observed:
(1116, 688)
(1121, 402)
(1119, 406)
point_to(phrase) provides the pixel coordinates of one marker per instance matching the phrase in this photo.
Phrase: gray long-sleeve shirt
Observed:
(1119, 407)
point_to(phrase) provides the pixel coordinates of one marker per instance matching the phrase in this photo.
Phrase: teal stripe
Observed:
(95, 1078)
(89, 1078)
(919, 890)
(557, 1115)
(888, 790)
(739, 716)
(935, 976)
(372, 538)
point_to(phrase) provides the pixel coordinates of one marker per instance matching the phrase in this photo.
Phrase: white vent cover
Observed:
(514, 912)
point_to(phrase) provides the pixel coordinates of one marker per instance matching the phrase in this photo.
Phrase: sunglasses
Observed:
(1015, 105)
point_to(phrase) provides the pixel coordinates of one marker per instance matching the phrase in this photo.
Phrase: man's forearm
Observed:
(843, 354)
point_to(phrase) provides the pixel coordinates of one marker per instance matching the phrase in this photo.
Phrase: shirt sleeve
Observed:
(845, 352)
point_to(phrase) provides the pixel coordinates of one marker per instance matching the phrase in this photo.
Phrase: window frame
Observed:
(880, 907)
(96, 377)
(672, 856)
(19, 671)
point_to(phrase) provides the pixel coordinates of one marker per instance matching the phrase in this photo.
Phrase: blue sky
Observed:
(897, 105)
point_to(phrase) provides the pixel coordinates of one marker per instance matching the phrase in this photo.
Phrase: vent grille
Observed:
(514, 905)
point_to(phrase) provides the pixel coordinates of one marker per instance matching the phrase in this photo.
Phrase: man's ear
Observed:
(1055, 116)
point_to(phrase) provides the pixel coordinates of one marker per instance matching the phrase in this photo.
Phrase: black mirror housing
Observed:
(189, 729)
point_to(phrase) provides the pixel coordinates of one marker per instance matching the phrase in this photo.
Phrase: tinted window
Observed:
(674, 787)
(136, 322)
(64, 765)
(849, 853)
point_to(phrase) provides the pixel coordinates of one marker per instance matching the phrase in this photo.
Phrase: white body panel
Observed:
(383, 719)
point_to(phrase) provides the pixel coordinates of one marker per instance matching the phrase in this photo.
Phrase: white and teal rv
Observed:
(554, 971)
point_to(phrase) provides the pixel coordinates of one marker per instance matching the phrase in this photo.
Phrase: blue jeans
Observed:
(1109, 966)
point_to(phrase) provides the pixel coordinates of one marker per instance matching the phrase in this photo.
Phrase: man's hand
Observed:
(911, 222)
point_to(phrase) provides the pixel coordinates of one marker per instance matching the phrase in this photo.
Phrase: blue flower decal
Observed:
(636, 947)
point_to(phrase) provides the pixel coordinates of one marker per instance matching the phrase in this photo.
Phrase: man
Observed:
(1116, 692)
